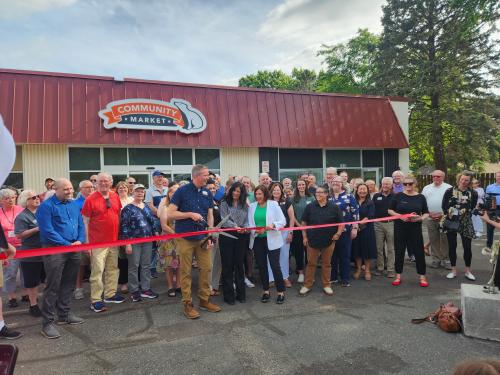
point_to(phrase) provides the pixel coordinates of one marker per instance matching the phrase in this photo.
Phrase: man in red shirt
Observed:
(101, 215)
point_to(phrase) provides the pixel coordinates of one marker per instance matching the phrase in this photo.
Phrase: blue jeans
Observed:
(342, 257)
(154, 259)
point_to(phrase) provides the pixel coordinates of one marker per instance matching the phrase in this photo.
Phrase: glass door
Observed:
(371, 174)
(141, 177)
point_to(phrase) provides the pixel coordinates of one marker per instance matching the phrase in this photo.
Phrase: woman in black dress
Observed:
(408, 231)
(363, 246)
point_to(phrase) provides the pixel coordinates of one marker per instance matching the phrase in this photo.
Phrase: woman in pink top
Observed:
(8, 213)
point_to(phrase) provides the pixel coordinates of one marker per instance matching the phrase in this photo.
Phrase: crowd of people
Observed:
(352, 248)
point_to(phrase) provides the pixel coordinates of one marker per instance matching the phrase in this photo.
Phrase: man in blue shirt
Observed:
(493, 191)
(60, 224)
(191, 207)
(86, 187)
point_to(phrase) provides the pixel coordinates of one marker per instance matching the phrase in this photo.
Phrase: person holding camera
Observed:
(493, 191)
(458, 204)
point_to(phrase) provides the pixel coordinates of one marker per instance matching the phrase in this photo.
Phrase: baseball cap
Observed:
(157, 173)
(138, 186)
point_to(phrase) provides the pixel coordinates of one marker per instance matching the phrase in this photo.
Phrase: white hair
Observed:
(22, 200)
(80, 185)
(387, 179)
(105, 175)
(331, 169)
(4, 193)
(398, 173)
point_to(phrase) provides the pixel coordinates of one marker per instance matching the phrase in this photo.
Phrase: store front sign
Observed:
(146, 114)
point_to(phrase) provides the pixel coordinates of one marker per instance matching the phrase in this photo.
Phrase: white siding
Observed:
(240, 161)
(402, 114)
(42, 161)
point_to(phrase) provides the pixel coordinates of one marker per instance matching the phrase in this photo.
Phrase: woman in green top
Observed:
(301, 198)
(267, 241)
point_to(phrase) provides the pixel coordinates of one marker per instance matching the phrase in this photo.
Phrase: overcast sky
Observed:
(200, 41)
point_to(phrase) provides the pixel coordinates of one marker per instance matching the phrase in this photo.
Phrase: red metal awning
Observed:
(40, 107)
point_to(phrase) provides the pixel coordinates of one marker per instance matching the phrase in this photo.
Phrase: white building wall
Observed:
(42, 161)
(240, 161)
(402, 114)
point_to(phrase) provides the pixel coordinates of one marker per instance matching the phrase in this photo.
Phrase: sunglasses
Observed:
(93, 180)
(108, 202)
(34, 197)
(407, 183)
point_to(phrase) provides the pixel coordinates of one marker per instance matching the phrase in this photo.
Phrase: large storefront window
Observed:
(367, 164)
(293, 162)
(139, 163)
(15, 178)
(208, 157)
(149, 156)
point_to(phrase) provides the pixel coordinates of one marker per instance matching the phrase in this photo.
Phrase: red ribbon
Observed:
(28, 253)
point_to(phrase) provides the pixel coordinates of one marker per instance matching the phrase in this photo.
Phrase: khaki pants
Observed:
(103, 261)
(384, 237)
(326, 265)
(203, 257)
(438, 240)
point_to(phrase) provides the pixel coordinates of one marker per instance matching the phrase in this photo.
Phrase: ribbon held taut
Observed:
(28, 253)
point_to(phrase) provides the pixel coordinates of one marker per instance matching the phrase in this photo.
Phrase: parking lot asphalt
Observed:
(364, 329)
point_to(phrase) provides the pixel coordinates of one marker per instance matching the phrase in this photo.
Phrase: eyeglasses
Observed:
(131, 183)
(321, 192)
(34, 197)
(93, 180)
(108, 202)
(407, 183)
(437, 176)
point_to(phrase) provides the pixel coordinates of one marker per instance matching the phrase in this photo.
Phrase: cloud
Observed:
(24, 8)
(180, 40)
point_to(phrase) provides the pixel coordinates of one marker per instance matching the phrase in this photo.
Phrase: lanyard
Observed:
(4, 214)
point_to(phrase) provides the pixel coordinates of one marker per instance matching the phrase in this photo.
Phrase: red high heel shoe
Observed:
(397, 281)
(423, 282)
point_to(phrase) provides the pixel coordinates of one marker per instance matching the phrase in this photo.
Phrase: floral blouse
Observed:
(137, 222)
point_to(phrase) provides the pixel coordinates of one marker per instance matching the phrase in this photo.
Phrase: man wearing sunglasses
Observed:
(101, 215)
(433, 194)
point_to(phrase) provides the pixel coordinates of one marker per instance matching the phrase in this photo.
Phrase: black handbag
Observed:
(450, 225)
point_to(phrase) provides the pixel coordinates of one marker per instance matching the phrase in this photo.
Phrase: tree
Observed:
(299, 80)
(266, 79)
(441, 55)
(349, 66)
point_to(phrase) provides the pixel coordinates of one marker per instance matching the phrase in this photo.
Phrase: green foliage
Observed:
(441, 55)
(349, 66)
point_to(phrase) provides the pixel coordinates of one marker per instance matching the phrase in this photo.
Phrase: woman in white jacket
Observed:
(266, 243)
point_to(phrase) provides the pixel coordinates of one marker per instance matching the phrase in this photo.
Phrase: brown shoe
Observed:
(288, 283)
(190, 311)
(208, 306)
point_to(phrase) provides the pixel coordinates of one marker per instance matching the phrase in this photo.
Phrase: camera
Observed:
(489, 206)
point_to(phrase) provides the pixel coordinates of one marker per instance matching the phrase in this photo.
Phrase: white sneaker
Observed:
(303, 291)
(328, 291)
(470, 276)
(451, 275)
(486, 250)
(78, 294)
(301, 278)
(249, 284)
(478, 234)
